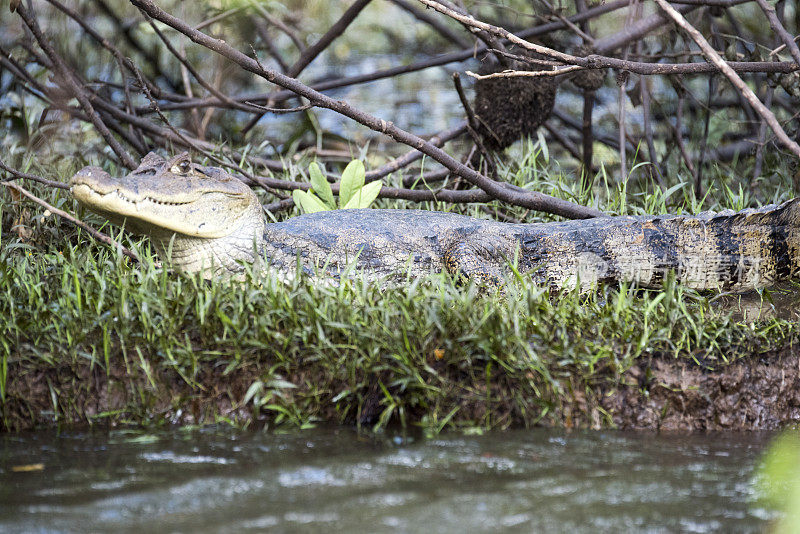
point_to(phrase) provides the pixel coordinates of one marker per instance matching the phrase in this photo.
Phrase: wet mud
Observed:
(761, 392)
(755, 393)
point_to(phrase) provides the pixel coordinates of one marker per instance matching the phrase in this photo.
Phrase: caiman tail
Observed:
(733, 251)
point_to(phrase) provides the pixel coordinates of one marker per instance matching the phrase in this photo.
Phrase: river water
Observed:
(335, 480)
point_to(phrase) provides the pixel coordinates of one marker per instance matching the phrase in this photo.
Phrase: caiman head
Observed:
(198, 218)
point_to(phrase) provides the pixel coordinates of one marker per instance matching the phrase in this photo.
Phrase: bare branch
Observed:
(432, 22)
(309, 54)
(743, 88)
(777, 27)
(80, 224)
(525, 73)
(410, 157)
(532, 200)
(75, 86)
(19, 174)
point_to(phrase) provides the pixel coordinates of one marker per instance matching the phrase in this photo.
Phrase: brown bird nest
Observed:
(589, 79)
(510, 108)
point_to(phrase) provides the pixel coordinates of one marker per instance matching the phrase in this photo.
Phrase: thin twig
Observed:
(216, 18)
(413, 155)
(761, 141)
(271, 49)
(533, 200)
(644, 93)
(474, 125)
(422, 16)
(577, 30)
(77, 89)
(577, 125)
(563, 140)
(636, 67)
(454, 57)
(486, 37)
(77, 222)
(105, 43)
(587, 132)
(150, 57)
(640, 27)
(738, 83)
(525, 73)
(472, 22)
(622, 79)
(280, 110)
(777, 27)
(196, 75)
(135, 134)
(23, 77)
(587, 135)
(278, 23)
(309, 54)
(677, 129)
(411, 181)
(19, 174)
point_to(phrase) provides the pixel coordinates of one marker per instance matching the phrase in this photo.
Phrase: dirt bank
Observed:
(755, 393)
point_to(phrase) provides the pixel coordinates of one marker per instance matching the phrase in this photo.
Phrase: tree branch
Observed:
(80, 224)
(738, 83)
(532, 200)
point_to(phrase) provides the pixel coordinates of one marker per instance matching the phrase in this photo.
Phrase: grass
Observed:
(87, 336)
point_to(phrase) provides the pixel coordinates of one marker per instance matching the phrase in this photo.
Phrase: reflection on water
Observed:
(336, 480)
(781, 301)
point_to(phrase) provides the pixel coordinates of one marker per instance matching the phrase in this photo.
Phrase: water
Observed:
(334, 480)
(781, 301)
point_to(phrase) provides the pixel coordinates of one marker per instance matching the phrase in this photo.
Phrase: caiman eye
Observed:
(182, 167)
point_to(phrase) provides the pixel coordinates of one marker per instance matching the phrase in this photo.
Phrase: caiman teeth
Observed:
(145, 199)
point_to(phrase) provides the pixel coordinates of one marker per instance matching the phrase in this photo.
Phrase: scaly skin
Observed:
(214, 223)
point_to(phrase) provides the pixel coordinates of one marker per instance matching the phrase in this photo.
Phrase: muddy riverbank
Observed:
(753, 393)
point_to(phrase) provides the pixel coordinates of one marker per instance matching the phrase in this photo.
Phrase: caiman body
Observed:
(202, 219)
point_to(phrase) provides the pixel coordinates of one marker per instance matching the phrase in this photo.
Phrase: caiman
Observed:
(203, 219)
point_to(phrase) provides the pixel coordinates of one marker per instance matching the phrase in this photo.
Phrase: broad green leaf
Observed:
(308, 202)
(364, 196)
(352, 180)
(320, 185)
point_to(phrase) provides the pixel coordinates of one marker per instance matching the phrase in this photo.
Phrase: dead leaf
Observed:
(27, 468)
(20, 225)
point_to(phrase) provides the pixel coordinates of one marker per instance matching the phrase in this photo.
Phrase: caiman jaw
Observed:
(202, 215)
(86, 194)
(148, 215)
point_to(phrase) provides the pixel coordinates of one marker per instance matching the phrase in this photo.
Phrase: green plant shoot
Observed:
(353, 192)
